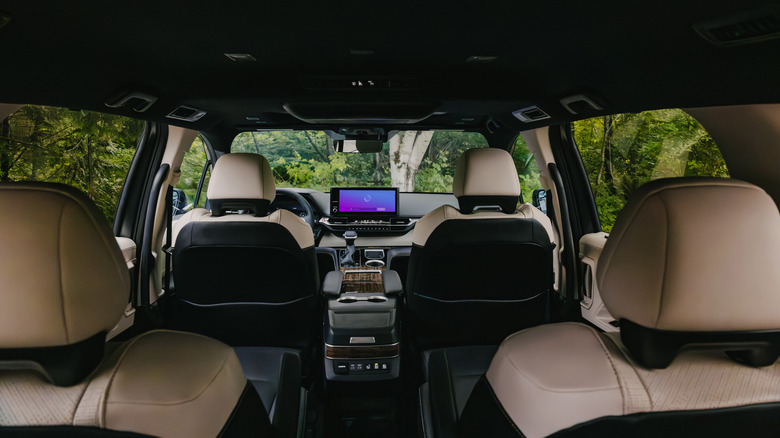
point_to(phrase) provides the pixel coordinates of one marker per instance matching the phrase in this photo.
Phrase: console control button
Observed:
(341, 368)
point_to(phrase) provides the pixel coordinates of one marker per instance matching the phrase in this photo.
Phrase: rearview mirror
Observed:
(359, 146)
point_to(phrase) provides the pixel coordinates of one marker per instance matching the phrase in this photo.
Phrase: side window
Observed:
(527, 169)
(86, 150)
(194, 181)
(623, 151)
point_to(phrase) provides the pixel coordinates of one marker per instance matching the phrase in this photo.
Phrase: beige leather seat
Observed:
(245, 182)
(691, 270)
(64, 286)
(484, 270)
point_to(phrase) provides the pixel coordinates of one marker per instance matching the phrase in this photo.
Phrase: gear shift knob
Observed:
(348, 257)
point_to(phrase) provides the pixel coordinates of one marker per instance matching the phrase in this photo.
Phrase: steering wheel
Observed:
(309, 217)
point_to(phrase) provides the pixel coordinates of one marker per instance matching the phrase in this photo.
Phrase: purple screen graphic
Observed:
(367, 201)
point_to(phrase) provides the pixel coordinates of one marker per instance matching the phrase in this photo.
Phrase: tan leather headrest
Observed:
(485, 172)
(695, 254)
(63, 275)
(242, 176)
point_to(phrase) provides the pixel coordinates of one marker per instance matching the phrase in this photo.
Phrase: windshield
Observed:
(412, 161)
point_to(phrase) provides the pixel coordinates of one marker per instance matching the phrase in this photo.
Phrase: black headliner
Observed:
(629, 55)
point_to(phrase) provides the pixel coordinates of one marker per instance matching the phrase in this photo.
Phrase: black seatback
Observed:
(245, 283)
(477, 280)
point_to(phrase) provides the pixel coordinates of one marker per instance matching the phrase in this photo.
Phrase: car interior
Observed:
(430, 220)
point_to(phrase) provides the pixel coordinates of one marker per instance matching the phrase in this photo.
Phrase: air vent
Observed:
(530, 114)
(186, 113)
(747, 28)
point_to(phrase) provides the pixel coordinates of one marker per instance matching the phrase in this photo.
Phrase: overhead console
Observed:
(366, 210)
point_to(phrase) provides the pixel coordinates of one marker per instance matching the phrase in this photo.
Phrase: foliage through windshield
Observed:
(413, 161)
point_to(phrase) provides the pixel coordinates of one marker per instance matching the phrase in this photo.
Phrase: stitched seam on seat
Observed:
(633, 366)
(454, 405)
(195, 397)
(623, 390)
(666, 260)
(102, 415)
(539, 385)
(59, 266)
(503, 411)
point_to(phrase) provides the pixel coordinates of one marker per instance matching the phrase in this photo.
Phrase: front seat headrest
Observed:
(241, 182)
(486, 177)
(63, 274)
(694, 255)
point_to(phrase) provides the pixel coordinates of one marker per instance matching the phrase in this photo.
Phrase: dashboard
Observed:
(379, 229)
(284, 202)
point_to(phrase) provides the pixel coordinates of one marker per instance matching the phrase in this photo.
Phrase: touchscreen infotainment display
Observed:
(357, 201)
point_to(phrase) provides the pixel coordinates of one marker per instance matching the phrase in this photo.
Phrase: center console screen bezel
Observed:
(335, 197)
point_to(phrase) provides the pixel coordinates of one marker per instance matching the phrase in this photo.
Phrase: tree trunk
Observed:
(606, 138)
(406, 154)
(89, 168)
(257, 146)
(377, 169)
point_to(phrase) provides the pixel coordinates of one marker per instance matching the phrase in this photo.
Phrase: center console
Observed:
(361, 327)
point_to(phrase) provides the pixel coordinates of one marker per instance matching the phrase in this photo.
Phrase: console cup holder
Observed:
(375, 263)
(371, 299)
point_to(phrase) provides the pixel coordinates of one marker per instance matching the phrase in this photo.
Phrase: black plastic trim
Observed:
(248, 418)
(64, 365)
(129, 198)
(507, 204)
(570, 253)
(657, 348)
(573, 168)
(258, 207)
(206, 168)
(484, 416)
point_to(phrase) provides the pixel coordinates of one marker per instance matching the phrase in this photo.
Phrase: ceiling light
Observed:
(481, 59)
(240, 57)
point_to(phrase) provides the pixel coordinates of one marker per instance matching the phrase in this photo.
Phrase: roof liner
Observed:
(629, 56)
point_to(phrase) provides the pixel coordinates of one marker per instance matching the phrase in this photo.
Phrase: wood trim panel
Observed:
(361, 352)
(361, 281)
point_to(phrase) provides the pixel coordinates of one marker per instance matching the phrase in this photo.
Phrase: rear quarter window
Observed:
(624, 151)
(87, 150)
